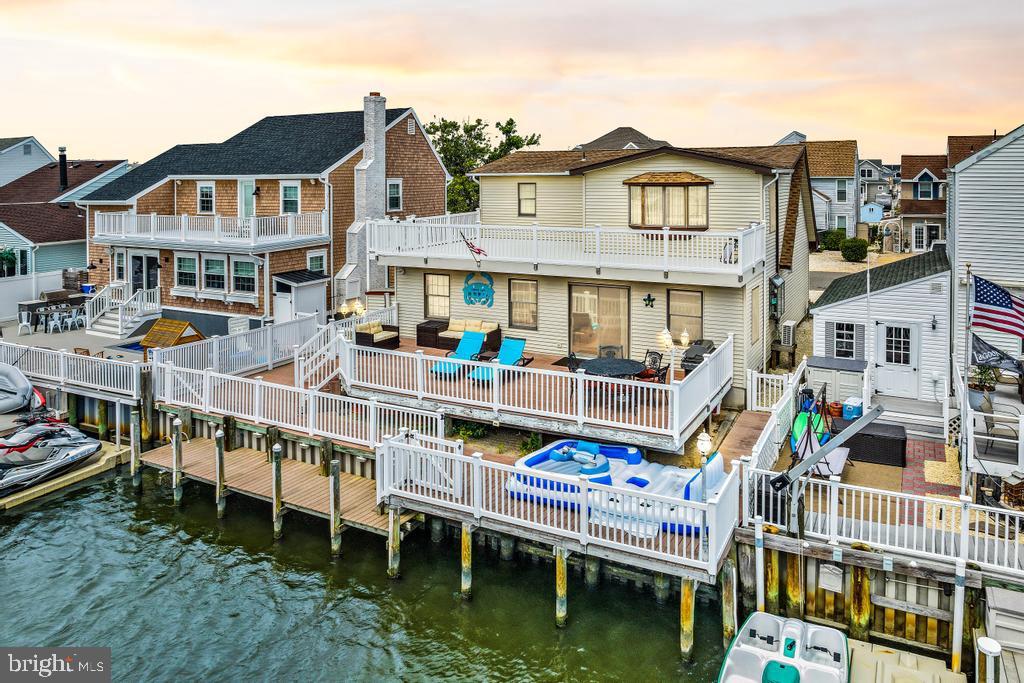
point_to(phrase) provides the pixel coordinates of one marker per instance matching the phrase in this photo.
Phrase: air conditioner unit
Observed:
(788, 333)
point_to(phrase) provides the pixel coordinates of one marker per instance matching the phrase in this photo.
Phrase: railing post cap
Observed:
(835, 479)
(177, 422)
(965, 500)
(478, 455)
(276, 448)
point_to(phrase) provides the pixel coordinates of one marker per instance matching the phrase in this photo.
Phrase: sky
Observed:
(114, 79)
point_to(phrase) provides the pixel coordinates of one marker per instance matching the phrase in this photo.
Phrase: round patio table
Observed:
(612, 367)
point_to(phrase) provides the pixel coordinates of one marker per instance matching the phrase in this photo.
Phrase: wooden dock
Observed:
(743, 434)
(304, 488)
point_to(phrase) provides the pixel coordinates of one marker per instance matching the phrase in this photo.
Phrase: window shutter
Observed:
(830, 339)
(858, 342)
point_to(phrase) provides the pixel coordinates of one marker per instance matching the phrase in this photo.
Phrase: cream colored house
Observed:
(598, 252)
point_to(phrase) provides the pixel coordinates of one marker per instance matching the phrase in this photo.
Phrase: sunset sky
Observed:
(115, 79)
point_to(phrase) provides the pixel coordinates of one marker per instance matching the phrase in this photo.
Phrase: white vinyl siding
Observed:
(825, 212)
(559, 201)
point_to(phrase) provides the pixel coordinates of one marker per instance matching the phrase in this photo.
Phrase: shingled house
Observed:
(256, 227)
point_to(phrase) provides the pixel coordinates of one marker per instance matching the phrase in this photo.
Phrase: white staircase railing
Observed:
(142, 302)
(315, 362)
(105, 299)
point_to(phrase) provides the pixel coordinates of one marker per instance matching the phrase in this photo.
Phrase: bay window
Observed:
(657, 205)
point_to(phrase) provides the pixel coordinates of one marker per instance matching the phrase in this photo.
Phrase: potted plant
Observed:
(983, 378)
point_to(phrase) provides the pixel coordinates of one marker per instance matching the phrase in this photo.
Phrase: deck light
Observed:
(704, 444)
(684, 338)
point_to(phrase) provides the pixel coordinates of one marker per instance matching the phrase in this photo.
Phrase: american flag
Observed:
(997, 309)
(473, 249)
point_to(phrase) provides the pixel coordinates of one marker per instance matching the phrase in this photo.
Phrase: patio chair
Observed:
(468, 349)
(510, 353)
(24, 320)
(55, 322)
(72, 319)
(573, 362)
(1002, 429)
(610, 351)
(82, 351)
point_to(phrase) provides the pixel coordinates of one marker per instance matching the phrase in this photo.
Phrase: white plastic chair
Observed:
(72, 319)
(24, 320)
(54, 322)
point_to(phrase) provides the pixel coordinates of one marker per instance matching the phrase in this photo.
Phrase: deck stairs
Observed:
(116, 313)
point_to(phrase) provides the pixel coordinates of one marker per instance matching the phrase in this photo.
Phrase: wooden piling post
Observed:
(771, 581)
(467, 561)
(727, 591)
(794, 587)
(661, 587)
(147, 401)
(860, 603)
(507, 547)
(592, 571)
(686, 612)
(436, 529)
(229, 433)
(176, 473)
(72, 401)
(135, 442)
(956, 640)
(335, 508)
(102, 426)
(394, 541)
(277, 499)
(561, 587)
(220, 479)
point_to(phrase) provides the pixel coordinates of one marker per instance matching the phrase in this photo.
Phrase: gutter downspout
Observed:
(329, 204)
(266, 286)
(764, 273)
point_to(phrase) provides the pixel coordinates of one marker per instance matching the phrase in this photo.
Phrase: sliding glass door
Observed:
(599, 321)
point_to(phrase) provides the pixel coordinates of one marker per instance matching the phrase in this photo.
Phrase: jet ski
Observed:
(56, 452)
(27, 437)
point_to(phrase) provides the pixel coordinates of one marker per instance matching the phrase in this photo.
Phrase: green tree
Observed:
(468, 144)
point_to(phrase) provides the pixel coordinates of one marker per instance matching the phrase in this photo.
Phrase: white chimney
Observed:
(371, 175)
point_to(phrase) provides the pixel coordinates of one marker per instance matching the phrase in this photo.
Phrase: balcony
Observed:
(715, 258)
(207, 231)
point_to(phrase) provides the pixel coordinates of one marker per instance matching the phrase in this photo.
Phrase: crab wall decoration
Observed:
(478, 293)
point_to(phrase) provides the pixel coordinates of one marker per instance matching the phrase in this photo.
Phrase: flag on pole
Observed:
(476, 251)
(996, 309)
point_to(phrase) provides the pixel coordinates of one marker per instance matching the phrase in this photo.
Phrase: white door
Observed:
(896, 360)
(283, 307)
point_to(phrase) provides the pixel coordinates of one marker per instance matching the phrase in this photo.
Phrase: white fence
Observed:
(212, 229)
(72, 371)
(263, 347)
(776, 394)
(694, 534)
(26, 288)
(353, 420)
(316, 361)
(735, 251)
(574, 397)
(467, 218)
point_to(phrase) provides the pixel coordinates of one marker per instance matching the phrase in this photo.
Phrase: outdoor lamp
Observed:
(704, 444)
(344, 309)
(684, 338)
(665, 339)
(703, 447)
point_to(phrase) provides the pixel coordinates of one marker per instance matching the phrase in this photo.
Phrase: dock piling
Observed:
(507, 547)
(686, 612)
(661, 587)
(466, 540)
(436, 529)
(176, 473)
(102, 423)
(759, 561)
(394, 541)
(860, 603)
(135, 438)
(592, 571)
(335, 508)
(277, 500)
(727, 588)
(794, 588)
(956, 642)
(561, 577)
(220, 483)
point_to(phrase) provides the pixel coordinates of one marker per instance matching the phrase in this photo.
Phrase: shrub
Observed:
(854, 249)
(530, 444)
(832, 240)
(467, 431)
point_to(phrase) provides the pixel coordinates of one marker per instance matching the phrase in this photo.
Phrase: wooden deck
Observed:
(248, 472)
(742, 436)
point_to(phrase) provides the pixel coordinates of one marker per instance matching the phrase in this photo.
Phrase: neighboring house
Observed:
(985, 179)
(710, 242)
(875, 182)
(21, 155)
(923, 199)
(871, 212)
(903, 347)
(257, 227)
(834, 177)
(43, 229)
(623, 137)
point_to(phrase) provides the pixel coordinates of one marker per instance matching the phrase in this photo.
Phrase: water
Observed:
(178, 593)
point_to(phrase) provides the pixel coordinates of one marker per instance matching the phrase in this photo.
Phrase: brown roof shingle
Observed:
(832, 158)
(769, 156)
(668, 178)
(41, 223)
(537, 161)
(959, 147)
(913, 164)
(923, 207)
(43, 184)
(622, 136)
(796, 186)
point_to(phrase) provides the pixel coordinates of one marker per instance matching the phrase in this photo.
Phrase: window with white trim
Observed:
(394, 194)
(214, 273)
(185, 270)
(316, 261)
(26, 149)
(842, 190)
(207, 194)
(867, 173)
(840, 221)
(13, 262)
(844, 344)
(243, 276)
(522, 304)
(290, 196)
(674, 206)
(119, 267)
(436, 296)
(924, 190)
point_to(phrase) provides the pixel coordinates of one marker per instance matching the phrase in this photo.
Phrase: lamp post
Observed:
(703, 447)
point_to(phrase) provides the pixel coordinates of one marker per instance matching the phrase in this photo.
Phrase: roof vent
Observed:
(98, 164)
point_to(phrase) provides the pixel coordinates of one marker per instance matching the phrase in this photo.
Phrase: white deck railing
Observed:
(316, 413)
(316, 361)
(694, 534)
(723, 251)
(234, 354)
(212, 229)
(70, 370)
(578, 398)
(142, 302)
(108, 297)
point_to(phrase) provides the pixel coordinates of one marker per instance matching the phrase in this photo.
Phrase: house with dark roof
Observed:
(876, 183)
(19, 155)
(617, 252)
(623, 137)
(42, 232)
(214, 231)
(923, 200)
(834, 170)
(891, 322)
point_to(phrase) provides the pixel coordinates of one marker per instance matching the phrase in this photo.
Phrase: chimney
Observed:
(371, 176)
(63, 159)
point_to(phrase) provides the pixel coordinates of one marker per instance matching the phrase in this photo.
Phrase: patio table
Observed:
(612, 367)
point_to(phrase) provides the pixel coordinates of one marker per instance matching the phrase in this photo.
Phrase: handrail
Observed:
(315, 362)
(66, 369)
(213, 229)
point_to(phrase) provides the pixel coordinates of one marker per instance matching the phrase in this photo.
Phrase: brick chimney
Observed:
(371, 176)
(63, 160)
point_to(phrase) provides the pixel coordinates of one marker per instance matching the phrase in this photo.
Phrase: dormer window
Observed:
(673, 199)
(925, 190)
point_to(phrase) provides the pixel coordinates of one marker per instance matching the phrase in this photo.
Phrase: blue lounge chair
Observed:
(510, 353)
(468, 349)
